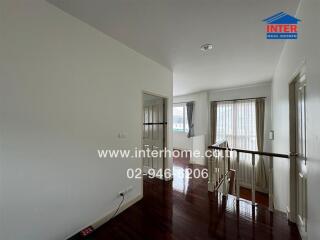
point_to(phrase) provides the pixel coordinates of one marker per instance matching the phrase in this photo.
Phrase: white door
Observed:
(153, 134)
(301, 158)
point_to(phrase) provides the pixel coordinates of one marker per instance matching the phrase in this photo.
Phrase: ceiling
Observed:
(171, 32)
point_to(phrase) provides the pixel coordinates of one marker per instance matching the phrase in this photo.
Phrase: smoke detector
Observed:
(206, 47)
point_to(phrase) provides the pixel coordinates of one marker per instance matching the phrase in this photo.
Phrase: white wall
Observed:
(293, 54)
(202, 110)
(66, 90)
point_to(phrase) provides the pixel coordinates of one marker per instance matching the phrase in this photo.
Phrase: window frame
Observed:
(234, 103)
(184, 117)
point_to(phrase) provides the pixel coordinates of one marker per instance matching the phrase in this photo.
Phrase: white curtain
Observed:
(236, 122)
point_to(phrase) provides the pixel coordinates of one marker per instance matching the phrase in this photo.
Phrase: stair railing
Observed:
(219, 169)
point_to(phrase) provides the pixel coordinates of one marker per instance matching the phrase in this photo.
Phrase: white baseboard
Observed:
(110, 214)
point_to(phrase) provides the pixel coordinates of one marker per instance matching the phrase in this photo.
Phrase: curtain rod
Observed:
(239, 99)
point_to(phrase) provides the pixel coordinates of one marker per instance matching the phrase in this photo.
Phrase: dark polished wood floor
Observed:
(245, 193)
(183, 209)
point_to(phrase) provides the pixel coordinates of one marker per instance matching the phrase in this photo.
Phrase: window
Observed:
(236, 122)
(180, 121)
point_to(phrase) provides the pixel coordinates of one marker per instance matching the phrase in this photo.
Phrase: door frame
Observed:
(293, 206)
(165, 128)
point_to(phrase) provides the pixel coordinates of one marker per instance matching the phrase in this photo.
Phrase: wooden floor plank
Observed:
(183, 209)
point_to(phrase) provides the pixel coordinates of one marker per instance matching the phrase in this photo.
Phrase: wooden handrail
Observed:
(250, 151)
(159, 123)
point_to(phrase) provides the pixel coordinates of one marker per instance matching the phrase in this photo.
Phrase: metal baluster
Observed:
(228, 152)
(219, 166)
(224, 173)
(237, 175)
(229, 157)
(253, 180)
(210, 173)
(216, 167)
(271, 184)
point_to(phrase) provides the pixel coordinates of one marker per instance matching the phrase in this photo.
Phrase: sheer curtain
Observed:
(236, 122)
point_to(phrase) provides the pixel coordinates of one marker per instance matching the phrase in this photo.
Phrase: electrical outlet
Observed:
(125, 191)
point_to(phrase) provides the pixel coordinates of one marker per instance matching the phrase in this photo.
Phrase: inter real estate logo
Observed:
(282, 26)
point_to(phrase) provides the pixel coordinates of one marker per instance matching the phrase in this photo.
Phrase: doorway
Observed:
(298, 157)
(154, 134)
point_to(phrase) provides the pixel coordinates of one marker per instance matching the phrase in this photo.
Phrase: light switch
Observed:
(271, 135)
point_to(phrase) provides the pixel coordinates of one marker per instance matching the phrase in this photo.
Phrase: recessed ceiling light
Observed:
(206, 47)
